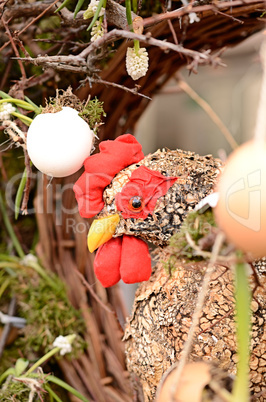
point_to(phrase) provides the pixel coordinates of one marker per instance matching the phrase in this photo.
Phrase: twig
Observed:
(79, 64)
(171, 27)
(117, 34)
(226, 15)
(7, 327)
(206, 254)
(30, 23)
(198, 310)
(216, 322)
(114, 84)
(90, 289)
(14, 48)
(197, 9)
(208, 109)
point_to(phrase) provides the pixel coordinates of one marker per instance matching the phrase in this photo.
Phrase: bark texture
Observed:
(161, 317)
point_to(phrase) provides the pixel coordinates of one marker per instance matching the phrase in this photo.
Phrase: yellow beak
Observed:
(101, 231)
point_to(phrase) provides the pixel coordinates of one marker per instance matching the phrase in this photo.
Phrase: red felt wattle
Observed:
(147, 184)
(107, 262)
(100, 170)
(135, 263)
(125, 258)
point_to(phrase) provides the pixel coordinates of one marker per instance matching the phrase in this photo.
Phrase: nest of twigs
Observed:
(99, 373)
(221, 25)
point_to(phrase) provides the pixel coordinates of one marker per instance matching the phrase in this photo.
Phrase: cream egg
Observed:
(58, 143)
(241, 208)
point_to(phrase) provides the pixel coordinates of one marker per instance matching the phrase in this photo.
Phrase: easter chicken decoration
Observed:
(139, 200)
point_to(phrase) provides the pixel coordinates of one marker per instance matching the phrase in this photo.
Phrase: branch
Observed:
(199, 9)
(78, 64)
(116, 34)
(133, 91)
(6, 16)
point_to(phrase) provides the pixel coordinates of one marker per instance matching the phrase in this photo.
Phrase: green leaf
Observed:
(96, 15)
(20, 367)
(67, 387)
(10, 228)
(9, 371)
(20, 193)
(135, 6)
(78, 7)
(52, 394)
(243, 325)
(64, 4)
(4, 95)
(37, 109)
(24, 119)
(128, 13)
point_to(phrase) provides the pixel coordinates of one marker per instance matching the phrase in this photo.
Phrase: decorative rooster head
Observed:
(138, 198)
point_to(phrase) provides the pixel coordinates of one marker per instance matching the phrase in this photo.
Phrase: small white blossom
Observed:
(64, 343)
(29, 258)
(5, 110)
(137, 63)
(193, 18)
(91, 10)
(97, 31)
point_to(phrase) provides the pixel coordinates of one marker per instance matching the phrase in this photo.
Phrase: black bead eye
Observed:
(136, 203)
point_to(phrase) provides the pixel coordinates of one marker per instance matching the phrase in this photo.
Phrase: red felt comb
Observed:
(100, 170)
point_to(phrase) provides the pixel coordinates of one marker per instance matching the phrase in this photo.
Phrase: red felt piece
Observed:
(146, 183)
(135, 265)
(100, 170)
(107, 262)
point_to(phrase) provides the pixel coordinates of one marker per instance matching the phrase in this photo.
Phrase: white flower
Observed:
(193, 18)
(96, 31)
(29, 258)
(91, 10)
(5, 110)
(137, 63)
(64, 343)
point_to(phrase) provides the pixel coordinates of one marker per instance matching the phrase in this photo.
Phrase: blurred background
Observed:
(174, 120)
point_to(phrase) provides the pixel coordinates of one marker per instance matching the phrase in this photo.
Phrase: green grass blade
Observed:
(96, 15)
(20, 191)
(243, 321)
(10, 229)
(4, 95)
(128, 14)
(24, 119)
(135, 6)
(78, 7)
(37, 109)
(52, 394)
(67, 387)
(64, 4)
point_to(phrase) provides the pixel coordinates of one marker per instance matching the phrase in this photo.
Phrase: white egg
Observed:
(241, 208)
(58, 143)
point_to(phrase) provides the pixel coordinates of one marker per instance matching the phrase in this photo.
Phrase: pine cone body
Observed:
(196, 178)
(157, 329)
